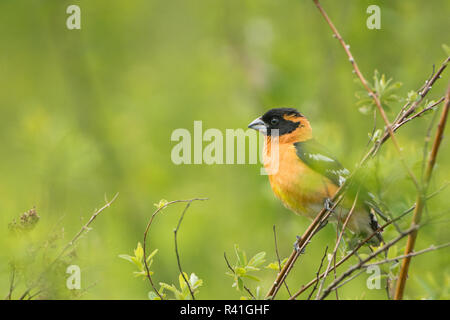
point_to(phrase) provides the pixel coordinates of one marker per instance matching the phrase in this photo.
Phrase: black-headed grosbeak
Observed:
(307, 175)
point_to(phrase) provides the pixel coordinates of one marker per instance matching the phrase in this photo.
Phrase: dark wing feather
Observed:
(316, 156)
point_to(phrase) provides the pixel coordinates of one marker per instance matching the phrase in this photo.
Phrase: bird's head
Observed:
(290, 124)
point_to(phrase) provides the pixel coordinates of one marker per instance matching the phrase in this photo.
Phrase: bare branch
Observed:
(420, 202)
(350, 270)
(318, 273)
(278, 257)
(85, 228)
(341, 234)
(176, 250)
(165, 205)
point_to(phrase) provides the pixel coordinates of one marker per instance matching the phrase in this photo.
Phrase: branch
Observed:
(85, 228)
(72, 242)
(370, 91)
(350, 254)
(418, 114)
(176, 250)
(278, 257)
(412, 254)
(318, 274)
(12, 285)
(349, 271)
(338, 241)
(420, 203)
(232, 270)
(388, 133)
(145, 237)
(302, 242)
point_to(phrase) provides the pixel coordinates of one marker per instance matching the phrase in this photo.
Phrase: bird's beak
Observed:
(259, 125)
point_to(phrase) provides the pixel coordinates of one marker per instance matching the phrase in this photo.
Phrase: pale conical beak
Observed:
(259, 125)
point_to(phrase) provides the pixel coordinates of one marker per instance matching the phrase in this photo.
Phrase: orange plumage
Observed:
(305, 174)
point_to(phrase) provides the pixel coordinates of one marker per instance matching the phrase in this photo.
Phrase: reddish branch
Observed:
(420, 202)
(401, 119)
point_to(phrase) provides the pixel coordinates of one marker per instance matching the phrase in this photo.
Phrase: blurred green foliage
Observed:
(89, 112)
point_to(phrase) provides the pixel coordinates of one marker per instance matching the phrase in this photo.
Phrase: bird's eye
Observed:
(274, 121)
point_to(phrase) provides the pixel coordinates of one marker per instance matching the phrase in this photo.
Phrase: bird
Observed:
(307, 175)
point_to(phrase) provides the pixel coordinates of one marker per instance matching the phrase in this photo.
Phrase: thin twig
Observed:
(12, 285)
(318, 272)
(278, 257)
(302, 243)
(358, 266)
(350, 254)
(341, 234)
(176, 250)
(149, 277)
(412, 254)
(388, 133)
(85, 228)
(232, 270)
(420, 202)
(418, 114)
(370, 91)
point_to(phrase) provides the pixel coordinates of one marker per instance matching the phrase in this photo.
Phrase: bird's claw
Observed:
(328, 204)
(297, 247)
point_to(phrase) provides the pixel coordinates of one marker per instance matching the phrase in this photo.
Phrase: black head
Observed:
(285, 120)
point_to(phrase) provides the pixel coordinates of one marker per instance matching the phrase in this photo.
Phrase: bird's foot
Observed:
(297, 247)
(328, 204)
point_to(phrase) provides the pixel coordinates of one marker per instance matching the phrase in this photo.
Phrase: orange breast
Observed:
(299, 188)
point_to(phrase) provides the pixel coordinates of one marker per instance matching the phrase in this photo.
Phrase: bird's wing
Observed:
(318, 158)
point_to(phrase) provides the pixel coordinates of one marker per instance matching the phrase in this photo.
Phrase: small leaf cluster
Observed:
(277, 266)
(244, 267)
(181, 293)
(384, 89)
(138, 260)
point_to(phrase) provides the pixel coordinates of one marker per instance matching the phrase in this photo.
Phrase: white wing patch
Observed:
(341, 173)
(320, 157)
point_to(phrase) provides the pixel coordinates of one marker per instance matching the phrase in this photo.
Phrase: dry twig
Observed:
(420, 202)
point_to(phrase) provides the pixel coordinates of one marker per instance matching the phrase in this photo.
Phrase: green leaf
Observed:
(139, 252)
(251, 277)
(126, 257)
(241, 256)
(240, 285)
(182, 282)
(250, 268)
(273, 266)
(257, 259)
(161, 203)
(166, 286)
(240, 271)
(138, 263)
(195, 282)
(153, 296)
(151, 255)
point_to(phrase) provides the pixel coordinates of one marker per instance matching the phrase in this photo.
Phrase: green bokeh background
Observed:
(89, 112)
